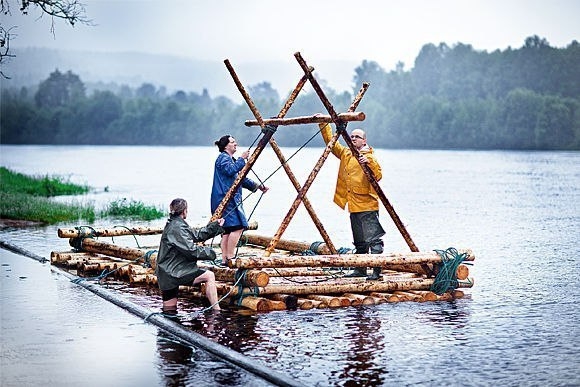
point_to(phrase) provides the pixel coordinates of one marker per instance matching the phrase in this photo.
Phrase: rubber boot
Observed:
(376, 274)
(358, 272)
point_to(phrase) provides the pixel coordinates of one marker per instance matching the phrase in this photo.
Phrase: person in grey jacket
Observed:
(178, 255)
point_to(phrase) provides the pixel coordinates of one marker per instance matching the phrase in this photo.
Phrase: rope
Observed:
(446, 278)
(133, 234)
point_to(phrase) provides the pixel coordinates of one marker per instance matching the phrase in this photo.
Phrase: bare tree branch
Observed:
(72, 11)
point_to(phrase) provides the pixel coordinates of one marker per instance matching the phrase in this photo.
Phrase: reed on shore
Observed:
(31, 198)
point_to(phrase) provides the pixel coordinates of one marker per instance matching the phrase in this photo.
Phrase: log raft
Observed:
(282, 280)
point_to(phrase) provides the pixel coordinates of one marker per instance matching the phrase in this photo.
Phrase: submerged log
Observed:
(346, 260)
(258, 304)
(427, 295)
(290, 300)
(314, 119)
(304, 303)
(332, 302)
(409, 296)
(365, 300)
(389, 297)
(277, 305)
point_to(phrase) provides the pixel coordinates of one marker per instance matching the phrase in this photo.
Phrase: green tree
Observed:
(59, 90)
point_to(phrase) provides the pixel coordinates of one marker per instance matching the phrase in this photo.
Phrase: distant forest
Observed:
(453, 98)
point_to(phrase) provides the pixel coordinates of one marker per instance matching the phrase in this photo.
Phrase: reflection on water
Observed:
(518, 211)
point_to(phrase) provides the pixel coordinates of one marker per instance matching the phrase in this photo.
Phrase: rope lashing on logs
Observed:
(313, 249)
(147, 258)
(84, 234)
(77, 242)
(128, 229)
(240, 280)
(446, 278)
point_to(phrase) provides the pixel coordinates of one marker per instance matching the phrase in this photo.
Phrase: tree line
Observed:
(453, 98)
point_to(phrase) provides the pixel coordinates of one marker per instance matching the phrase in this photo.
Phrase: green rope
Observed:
(446, 278)
(147, 258)
(128, 229)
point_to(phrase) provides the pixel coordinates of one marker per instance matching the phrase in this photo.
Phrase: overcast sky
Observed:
(254, 30)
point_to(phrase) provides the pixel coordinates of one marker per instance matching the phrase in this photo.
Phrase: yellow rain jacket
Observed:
(352, 185)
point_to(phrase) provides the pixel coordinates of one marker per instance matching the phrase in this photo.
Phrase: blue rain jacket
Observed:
(225, 172)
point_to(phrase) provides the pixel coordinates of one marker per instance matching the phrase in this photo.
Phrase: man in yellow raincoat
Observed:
(353, 188)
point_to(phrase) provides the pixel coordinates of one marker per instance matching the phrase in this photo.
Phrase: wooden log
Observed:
(287, 245)
(445, 297)
(258, 304)
(365, 300)
(319, 304)
(332, 302)
(290, 300)
(251, 277)
(346, 260)
(77, 232)
(457, 294)
(277, 305)
(84, 231)
(389, 297)
(427, 295)
(305, 304)
(410, 296)
(63, 256)
(462, 272)
(314, 119)
(301, 272)
(341, 287)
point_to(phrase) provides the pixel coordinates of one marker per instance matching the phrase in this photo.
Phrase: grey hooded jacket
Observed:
(178, 252)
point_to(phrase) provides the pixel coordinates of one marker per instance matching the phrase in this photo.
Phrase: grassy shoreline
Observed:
(29, 198)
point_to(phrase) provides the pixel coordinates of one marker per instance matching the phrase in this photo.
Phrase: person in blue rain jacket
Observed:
(226, 170)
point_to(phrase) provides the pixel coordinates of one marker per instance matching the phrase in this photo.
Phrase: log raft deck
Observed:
(271, 273)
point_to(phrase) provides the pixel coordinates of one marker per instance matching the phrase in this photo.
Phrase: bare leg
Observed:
(170, 306)
(210, 288)
(224, 247)
(232, 242)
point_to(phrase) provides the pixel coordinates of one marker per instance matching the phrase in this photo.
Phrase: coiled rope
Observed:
(446, 278)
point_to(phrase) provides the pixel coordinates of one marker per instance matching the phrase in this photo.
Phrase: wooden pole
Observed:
(289, 172)
(313, 174)
(253, 157)
(314, 119)
(367, 171)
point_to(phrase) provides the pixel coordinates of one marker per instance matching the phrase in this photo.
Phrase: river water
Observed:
(518, 211)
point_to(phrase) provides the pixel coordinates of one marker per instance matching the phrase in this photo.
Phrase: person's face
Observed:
(232, 146)
(358, 138)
